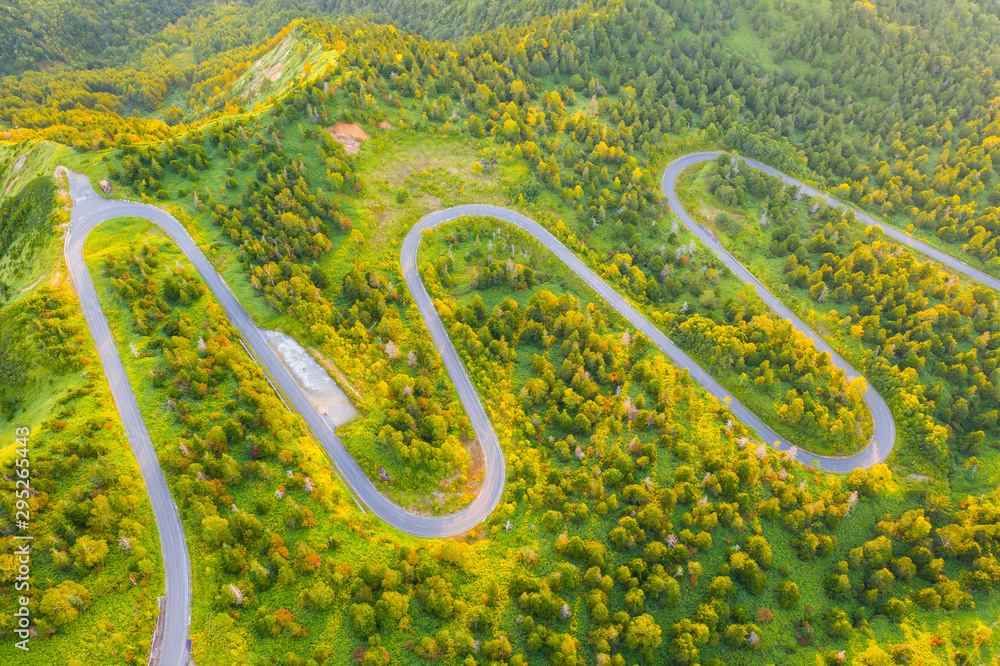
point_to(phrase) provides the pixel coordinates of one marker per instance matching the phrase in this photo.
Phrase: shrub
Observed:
(362, 620)
(838, 624)
(788, 594)
(552, 520)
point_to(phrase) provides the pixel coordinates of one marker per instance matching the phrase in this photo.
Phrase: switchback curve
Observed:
(89, 210)
(883, 425)
(884, 428)
(899, 236)
(172, 648)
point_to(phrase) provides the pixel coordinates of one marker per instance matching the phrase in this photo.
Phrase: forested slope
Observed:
(441, 19)
(38, 33)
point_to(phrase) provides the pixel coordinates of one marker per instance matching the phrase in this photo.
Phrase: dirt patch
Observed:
(474, 477)
(272, 73)
(18, 163)
(349, 136)
(477, 463)
(385, 124)
(62, 177)
(440, 499)
(350, 130)
(55, 279)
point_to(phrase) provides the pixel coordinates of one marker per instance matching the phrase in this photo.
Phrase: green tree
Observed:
(88, 552)
(362, 620)
(788, 594)
(392, 610)
(643, 634)
(63, 603)
(215, 531)
(319, 596)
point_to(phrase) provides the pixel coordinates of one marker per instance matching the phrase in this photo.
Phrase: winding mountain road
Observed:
(883, 425)
(899, 236)
(884, 430)
(89, 210)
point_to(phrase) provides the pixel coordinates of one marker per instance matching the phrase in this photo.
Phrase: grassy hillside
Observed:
(95, 568)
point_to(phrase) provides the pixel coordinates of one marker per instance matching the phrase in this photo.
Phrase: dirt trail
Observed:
(18, 163)
(33, 284)
(60, 175)
(61, 179)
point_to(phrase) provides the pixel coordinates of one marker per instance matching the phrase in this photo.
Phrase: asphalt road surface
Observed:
(884, 427)
(89, 210)
(901, 237)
